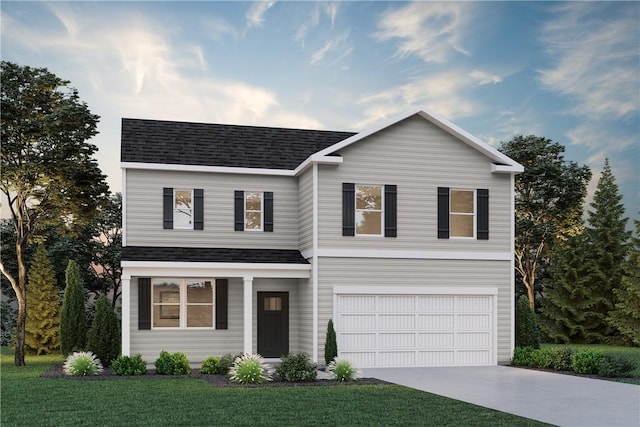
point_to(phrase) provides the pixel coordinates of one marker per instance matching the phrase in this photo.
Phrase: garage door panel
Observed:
(436, 322)
(415, 330)
(474, 322)
(396, 321)
(358, 322)
(436, 340)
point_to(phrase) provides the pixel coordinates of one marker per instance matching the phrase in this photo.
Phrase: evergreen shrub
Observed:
(129, 365)
(586, 361)
(330, 344)
(527, 332)
(615, 365)
(104, 336)
(522, 356)
(73, 318)
(172, 364)
(296, 368)
(210, 365)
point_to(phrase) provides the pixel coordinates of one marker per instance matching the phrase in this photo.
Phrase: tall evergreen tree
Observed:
(104, 336)
(43, 318)
(609, 243)
(567, 298)
(73, 319)
(625, 317)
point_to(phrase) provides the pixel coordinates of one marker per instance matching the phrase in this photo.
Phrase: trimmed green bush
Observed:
(210, 365)
(342, 370)
(586, 361)
(330, 344)
(129, 365)
(172, 364)
(541, 358)
(104, 336)
(249, 369)
(522, 356)
(296, 368)
(615, 365)
(226, 362)
(560, 358)
(527, 332)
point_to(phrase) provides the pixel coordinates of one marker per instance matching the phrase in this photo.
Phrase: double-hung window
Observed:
(369, 210)
(462, 213)
(253, 211)
(369, 213)
(182, 208)
(183, 303)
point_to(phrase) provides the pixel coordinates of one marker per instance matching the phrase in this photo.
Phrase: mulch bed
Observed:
(213, 380)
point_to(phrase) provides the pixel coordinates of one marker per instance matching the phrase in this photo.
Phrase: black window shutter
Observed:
(268, 211)
(390, 211)
(482, 218)
(198, 209)
(348, 209)
(239, 210)
(144, 303)
(443, 212)
(222, 304)
(167, 208)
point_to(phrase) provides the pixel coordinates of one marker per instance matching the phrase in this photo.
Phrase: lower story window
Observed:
(183, 303)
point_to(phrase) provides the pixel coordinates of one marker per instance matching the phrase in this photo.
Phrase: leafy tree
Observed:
(48, 172)
(527, 333)
(567, 298)
(625, 316)
(549, 196)
(43, 318)
(104, 336)
(330, 343)
(73, 319)
(608, 240)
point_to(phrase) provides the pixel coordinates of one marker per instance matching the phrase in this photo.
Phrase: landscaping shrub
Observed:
(83, 363)
(527, 332)
(522, 356)
(249, 369)
(586, 361)
(541, 358)
(615, 365)
(560, 358)
(73, 318)
(342, 370)
(330, 344)
(129, 365)
(104, 336)
(210, 365)
(296, 368)
(226, 362)
(172, 364)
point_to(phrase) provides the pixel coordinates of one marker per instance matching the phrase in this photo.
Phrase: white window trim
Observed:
(175, 209)
(261, 193)
(182, 282)
(474, 221)
(355, 195)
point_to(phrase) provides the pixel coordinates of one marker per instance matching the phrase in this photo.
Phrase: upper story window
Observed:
(183, 303)
(182, 209)
(253, 211)
(462, 213)
(369, 212)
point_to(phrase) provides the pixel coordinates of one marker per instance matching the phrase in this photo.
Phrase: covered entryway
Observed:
(394, 327)
(273, 323)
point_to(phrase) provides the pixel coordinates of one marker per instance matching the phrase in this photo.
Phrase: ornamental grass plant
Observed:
(249, 369)
(82, 363)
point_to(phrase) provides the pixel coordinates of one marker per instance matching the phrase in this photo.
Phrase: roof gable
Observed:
(202, 144)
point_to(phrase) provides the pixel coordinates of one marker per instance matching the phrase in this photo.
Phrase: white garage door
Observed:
(376, 330)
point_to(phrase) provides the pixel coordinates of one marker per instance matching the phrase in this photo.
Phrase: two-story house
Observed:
(249, 239)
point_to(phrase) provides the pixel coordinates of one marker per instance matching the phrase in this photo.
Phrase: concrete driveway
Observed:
(563, 400)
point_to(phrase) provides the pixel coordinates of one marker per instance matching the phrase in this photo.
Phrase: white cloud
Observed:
(596, 59)
(483, 77)
(255, 16)
(595, 134)
(315, 14)
(428, 30)
(339, 48)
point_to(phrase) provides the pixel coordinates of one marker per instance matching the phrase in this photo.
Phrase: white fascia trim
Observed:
(413, 290)
(506, 169)
(317, 159)
(440, 122)
(208, 269)
(373, 253)
(214, 169)
(309, 253)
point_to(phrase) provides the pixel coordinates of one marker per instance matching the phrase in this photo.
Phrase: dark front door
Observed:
(273, 323)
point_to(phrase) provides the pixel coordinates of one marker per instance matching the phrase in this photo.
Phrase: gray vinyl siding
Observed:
(144, 210)
(417, 273)
(305, 194)
(200, 344)
(418, 157)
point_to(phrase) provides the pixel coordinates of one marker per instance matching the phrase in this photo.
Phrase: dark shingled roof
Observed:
(268, 256)
(202, 144)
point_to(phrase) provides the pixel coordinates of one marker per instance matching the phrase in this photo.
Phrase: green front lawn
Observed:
(30, 400)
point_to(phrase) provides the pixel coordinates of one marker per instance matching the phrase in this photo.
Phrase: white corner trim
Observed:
(314, 263)
(125, 301)
(403, 254)
(124, 207)
(210, 169)
(414, 290)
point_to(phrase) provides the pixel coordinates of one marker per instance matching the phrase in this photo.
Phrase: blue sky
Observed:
(566, 71)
